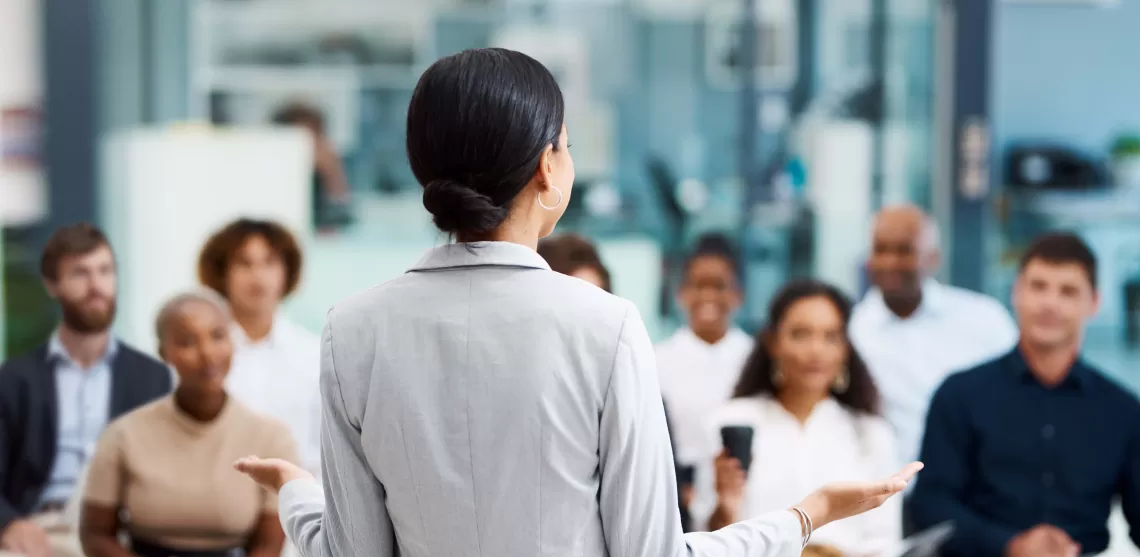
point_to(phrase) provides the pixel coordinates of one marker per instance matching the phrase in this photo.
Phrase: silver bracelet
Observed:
(805, 523)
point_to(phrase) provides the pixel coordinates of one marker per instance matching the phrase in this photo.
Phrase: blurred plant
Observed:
(1126, 146)
(30, 314)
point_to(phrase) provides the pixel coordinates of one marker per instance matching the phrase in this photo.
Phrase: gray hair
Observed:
(176, 303)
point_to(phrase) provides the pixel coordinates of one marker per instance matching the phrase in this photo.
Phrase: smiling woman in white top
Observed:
(700, 364)
(813, 408)
(255, 264)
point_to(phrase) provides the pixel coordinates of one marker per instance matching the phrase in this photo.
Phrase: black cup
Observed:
(737, 440)
(685, 475)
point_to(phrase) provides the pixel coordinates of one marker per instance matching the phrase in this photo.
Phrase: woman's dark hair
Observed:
(714, 244)
(568, 253)
(861, 394)
(478, 123)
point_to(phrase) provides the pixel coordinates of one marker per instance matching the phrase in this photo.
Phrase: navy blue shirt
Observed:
(1005, 453)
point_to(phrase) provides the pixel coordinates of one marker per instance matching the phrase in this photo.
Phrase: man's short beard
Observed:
(88, 322)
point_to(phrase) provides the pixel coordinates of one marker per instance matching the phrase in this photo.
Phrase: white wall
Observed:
(22, 196)
(167, 190)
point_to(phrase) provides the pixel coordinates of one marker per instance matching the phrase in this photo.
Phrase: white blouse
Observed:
(279, 376)
(834, 445)
(697, 378)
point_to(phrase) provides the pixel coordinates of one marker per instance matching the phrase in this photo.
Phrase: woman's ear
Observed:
(546, 167)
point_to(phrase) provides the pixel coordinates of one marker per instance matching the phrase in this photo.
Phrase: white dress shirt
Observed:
(790, 459)
(953, 330)
(483, 405)
(697, 378)
(279, 376)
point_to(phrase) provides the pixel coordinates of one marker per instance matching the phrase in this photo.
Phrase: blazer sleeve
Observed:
(638, 493)
(9, 393)
(350, 517)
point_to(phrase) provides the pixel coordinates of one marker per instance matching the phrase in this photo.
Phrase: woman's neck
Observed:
(256, 325)
(800, 404)
(506, 233)
(203, 407)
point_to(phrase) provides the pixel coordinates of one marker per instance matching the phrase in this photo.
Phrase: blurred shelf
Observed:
(1093, 206)
(250, 78)
(281, 14)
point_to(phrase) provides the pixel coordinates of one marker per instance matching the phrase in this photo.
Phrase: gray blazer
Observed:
(483, 404)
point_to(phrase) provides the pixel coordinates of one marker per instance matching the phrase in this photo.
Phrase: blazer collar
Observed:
(480, 254)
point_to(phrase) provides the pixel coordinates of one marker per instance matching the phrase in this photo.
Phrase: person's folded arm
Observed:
(947, 449)
(638, 494)
(350, 517)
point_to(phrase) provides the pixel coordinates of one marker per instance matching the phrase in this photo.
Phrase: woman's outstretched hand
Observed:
(271, 473)
(843, 500)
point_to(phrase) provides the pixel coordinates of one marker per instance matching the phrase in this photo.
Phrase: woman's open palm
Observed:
(271, 473)
(842, 500)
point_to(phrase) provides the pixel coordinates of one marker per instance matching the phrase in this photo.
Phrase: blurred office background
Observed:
(784, 123)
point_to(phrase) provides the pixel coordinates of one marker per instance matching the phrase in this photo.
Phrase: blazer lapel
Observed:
(45, 384)
(120, 385)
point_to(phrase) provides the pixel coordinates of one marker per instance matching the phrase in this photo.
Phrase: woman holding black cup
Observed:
(805, 412)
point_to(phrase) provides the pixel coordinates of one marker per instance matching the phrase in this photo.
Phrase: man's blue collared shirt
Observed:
(84, 397)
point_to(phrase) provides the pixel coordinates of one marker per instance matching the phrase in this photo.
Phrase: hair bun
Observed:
(458, 209)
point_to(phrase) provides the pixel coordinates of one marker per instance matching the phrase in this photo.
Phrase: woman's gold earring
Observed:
(842, 381)
(777, 376)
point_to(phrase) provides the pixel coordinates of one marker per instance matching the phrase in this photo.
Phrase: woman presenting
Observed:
(483, 405)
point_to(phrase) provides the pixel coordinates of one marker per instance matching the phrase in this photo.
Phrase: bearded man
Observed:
(55, 402)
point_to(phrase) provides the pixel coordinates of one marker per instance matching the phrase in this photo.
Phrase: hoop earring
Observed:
(556, 204)
(842, 381)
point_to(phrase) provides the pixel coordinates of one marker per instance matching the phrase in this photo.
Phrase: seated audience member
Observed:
(913, 331)
(255, 264)
(700, 364)
(163, 473)
(813, 409)
(575, 256)
(55, 401)
(1025, 453)
(331, 192)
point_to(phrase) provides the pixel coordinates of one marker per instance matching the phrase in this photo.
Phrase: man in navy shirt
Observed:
(1025, 454)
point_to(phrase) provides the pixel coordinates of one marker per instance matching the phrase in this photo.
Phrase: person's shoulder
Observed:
(17, 368)
(134, 359)
(742, 411)
(1118, 396)
(155, 411)
(266, 429)
(866, 315)
(973, 379)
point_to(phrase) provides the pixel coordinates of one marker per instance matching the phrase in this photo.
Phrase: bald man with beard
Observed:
(912, 330)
